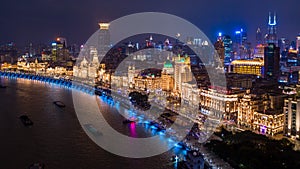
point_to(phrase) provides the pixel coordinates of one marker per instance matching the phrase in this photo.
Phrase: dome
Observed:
(168, 64)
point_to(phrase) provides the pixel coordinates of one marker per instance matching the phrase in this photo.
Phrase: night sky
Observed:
(40, 21)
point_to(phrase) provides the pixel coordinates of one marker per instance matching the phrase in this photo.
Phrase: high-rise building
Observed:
(284, 45)
(293, 45)
(94, 64)
(291, 110)
(228, 49)
(258, 37)
(219, 47)
(241, 45)
(182, 72)
(244, 36)
(259, 51)
(103, 39)
(62, 41)
(59, 51)
(74, 50)
(271, 61)
(271, 36)
(240, 36)
(298, 43)
(30, 50)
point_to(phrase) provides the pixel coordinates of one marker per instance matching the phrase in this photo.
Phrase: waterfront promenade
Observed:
(209, 157)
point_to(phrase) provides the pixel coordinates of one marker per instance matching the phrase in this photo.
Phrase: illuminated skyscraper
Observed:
(103, 39)
(271, 36)
(228, 49)
(271, 61)
(240, 36)
(62, 41)
(59, 51)
(240, 45)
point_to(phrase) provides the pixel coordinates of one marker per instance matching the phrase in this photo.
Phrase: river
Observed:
(56, 138)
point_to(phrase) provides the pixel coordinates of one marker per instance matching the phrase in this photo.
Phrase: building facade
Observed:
(271, 61)
(182, 72)
(253, 67)
(219, 103)
(259, 113)
(292, 116)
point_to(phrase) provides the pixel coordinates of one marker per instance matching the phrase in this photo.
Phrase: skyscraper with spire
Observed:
(271, 36)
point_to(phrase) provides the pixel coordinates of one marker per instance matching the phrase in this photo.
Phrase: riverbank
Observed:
(63, 83)
(57, 139)
(51, 80)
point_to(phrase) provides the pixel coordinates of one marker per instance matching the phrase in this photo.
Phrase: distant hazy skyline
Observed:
(40, 21)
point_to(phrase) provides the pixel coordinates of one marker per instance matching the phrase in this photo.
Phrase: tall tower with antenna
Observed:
(271, 36)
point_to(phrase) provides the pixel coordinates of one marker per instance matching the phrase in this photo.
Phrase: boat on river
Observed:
(59, 104)
(127, 121)
(37, 166)
(25, 120)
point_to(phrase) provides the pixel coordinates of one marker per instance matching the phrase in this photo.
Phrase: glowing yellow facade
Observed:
(254, 67)
(149, 83)
(255, 114)
(219, 103)
(104, 26)
(32, 67)
(8, 66)
(268, 123)
(167, 82)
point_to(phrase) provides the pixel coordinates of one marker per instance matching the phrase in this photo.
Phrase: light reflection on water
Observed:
(57, 138)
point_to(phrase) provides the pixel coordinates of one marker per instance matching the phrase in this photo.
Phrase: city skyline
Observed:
(42, 25)
(150, 84)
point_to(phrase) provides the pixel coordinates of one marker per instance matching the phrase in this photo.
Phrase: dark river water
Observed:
(56, 138)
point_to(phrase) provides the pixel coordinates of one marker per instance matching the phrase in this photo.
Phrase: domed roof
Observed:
(168, 64)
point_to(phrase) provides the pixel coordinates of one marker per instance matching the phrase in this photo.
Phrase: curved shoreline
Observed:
(50, 80)
(61, 82)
